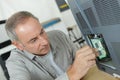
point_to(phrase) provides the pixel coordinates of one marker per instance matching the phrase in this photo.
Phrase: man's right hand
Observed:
(84, 60)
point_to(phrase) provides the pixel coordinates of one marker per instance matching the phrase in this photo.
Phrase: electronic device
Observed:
(97, 41)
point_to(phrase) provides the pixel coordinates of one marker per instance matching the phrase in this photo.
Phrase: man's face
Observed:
(32, 37)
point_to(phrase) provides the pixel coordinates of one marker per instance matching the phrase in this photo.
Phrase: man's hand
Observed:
(84, 60)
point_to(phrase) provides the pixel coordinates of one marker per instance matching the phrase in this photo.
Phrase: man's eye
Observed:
(34, 40)
(42, 32)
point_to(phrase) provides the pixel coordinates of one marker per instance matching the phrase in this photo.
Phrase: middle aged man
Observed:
(41, 56)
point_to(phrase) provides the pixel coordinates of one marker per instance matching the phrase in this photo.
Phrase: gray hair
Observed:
(14, 20)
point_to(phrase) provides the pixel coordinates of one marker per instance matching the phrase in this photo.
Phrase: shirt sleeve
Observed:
(70, 45)
(63, 77)
(17, 71)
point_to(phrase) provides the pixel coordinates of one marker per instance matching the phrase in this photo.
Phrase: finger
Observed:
(96, 52)
(90, 57)
(85, 51)
(84, 48)
(90, 51)
(91, 63)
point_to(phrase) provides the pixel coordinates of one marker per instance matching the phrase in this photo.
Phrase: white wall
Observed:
(3, 35)
(43, 9)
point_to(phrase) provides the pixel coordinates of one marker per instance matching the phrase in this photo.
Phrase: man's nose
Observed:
(43, 40)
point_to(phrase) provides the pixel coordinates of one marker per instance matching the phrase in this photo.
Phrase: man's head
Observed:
(26, 33)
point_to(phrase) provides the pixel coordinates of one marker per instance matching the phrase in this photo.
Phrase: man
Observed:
(41, 56)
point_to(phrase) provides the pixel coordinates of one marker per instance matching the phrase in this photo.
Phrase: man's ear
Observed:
(18, 45)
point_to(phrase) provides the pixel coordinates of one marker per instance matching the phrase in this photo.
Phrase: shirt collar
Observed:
(29, 55)
(32, 56)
